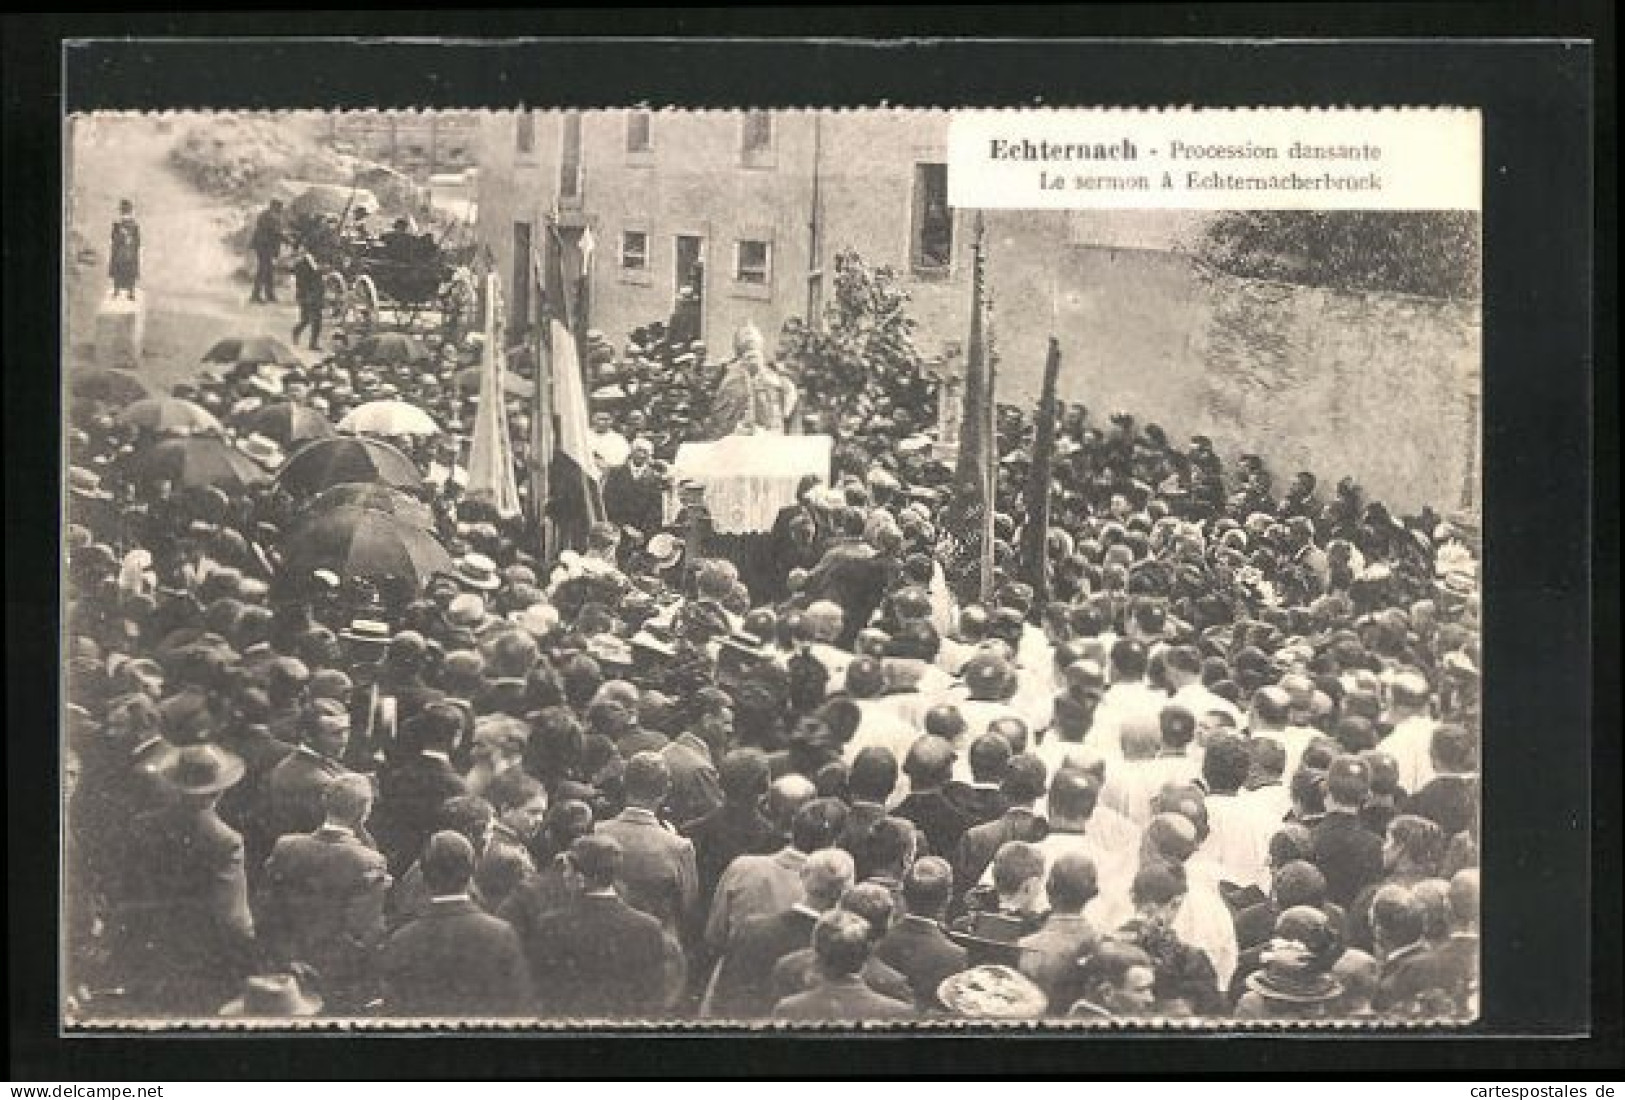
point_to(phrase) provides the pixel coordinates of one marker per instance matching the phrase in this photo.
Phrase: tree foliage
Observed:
(1430, 253)
(862, 360)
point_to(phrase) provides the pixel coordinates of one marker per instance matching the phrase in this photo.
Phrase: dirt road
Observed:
(193, 285)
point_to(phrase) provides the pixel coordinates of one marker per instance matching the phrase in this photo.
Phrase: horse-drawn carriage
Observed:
(400, 280)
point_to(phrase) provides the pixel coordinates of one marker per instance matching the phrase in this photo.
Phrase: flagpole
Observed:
(541, 421)
(1036, 549)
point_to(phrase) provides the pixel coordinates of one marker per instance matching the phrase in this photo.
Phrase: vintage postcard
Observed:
(777, 568)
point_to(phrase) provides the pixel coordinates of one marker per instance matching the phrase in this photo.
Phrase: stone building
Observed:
(738, 215)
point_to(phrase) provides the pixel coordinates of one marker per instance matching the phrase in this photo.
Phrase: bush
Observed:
(242, 159)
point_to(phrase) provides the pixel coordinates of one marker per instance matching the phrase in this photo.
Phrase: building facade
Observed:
(739, 215)
(416, 143)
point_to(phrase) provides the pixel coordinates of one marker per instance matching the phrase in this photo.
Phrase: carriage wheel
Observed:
(364, 304)
(335, 297)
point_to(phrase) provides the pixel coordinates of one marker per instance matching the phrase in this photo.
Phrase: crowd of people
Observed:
(1225, 768)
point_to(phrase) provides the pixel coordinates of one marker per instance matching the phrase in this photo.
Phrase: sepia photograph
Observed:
(878, 568)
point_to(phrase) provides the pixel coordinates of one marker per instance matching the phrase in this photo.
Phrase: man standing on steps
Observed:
(309, 292)
(269, 233)
(124, 262)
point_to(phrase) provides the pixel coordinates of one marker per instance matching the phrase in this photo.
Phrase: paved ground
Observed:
(195, 289)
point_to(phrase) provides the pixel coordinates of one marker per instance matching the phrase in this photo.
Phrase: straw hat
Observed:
(273, 995)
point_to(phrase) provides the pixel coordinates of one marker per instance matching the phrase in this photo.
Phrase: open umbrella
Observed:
(115, 387)
(471, 379)
(323, 463)
(374, 498)
(193, 461)
(390, 348)
(388, 418)
(252, 350)
(169, 414)
(288, 423)
(362, 543)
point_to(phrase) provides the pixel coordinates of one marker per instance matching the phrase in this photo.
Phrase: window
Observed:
(570, 157)
(519, 301)
(524, 137)
(634, 250)
(753, 263)
(639, 136)
(932, 247)
(756, 136)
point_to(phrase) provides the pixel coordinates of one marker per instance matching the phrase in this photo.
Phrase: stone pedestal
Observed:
(120, 330)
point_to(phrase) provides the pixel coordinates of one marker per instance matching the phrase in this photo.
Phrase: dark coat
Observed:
(633, 501)
(455, 961)
(409, 799)
(841, 999)
(268, 235)
(978, 805)
(124, 261)
(919, 950)
(744, 983)
(180, 926)
(725, 834)
(695, 787)
(980, 844)
(323, 904)
(657, 867)
(797, 972)
(1349, 855)
(597, 958)
(296, 791)
(942, 820)
(856, 580)
(1449, 801)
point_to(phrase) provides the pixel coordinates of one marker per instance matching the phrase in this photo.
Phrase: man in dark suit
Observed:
(1023, 786)
(658, 873)
(742, 989)
(797, 972)
(856, 572)
(296, 791)
(737, 827)
(841, 945)
(981, 800)
(942, 822)
(635, 491)
(180, 927)
(597, 958)
(323, 899)
(1451, 798)
(455, 960)
(413, 788)
(1349, 855)
(1412, 972)
(917, 947)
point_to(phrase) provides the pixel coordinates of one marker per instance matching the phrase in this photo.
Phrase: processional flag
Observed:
(575, 487)
(1035, 543)
(965, 536)
(491, 460)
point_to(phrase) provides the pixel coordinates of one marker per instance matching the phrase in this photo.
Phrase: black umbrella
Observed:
(362, 543)
(289, 424)
(252, 350)
(324, 463)
(115, 387)
(374, 498)
(189, 462)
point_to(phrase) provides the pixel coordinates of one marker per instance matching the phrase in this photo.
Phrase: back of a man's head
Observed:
(447, 864)
(874, 903)
(1016, 864)
(818, 823)
(1073, 882)
(1013, 730)
(927, 887)
(1299, 882)
(1398, 919)
(1271, 708)
(1178, 726)
(1464, 900)
(1129, 660)
(1107, 968)
(786, 797)
(348, 798)
(873, 775)
(1025, 779)
(989, 757)
(945, 721)
(826, 876)
(841, 943)
(929, 763)
(887, 847)
(1141, 736)
(597, 858)
(744, 775)
(1454, 750)
(469, 815)
(1073, 795)
(647, 779)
